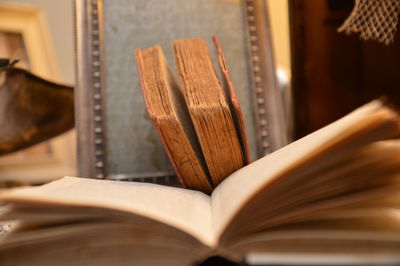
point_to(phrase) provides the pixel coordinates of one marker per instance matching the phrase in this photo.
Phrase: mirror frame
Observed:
(268, 108)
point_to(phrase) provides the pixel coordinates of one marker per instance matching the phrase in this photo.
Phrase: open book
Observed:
(200, 121)
(334, 191)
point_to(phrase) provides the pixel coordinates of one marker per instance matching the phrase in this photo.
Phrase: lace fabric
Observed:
(373, 19)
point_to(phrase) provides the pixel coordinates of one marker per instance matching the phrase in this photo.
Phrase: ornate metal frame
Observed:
(90, 101)
(89, 95)
(270, 118)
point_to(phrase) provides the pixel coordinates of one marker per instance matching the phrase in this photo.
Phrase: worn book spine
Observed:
(168, 112)
(233, 102)
(208, 108)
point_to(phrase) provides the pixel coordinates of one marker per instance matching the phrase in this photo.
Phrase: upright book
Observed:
(199, 121)
(334, 191)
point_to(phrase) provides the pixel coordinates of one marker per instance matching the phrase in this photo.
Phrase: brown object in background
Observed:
(32, 109)
(333, 73)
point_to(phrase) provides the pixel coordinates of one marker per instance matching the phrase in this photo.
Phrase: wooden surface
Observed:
(334, 73)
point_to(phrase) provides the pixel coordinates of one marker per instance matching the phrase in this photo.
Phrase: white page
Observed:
(232, 194)
(184, 209)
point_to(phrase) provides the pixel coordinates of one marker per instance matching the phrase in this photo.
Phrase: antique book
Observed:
(199, 122)
(334, 191)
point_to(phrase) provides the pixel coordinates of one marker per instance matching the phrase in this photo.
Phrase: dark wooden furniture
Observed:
(333, 73)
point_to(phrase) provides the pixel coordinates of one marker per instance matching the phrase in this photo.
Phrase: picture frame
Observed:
(105, 118)
(33, 45)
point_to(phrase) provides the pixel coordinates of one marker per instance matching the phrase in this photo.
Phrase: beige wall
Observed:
(279, 18)
(47, 28)
(60, 21)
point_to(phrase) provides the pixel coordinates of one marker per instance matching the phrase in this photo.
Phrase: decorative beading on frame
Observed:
(258, 80)
(98, 129)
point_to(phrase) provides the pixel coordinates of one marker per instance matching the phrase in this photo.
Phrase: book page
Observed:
(372, 231)
(238, 189)
(186, 210)
(102, 243)
(292, 258)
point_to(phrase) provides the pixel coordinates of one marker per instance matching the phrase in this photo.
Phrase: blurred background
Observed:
(40, 34)
(333, 73)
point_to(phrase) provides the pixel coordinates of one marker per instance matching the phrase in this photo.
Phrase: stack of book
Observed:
(198, 117)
